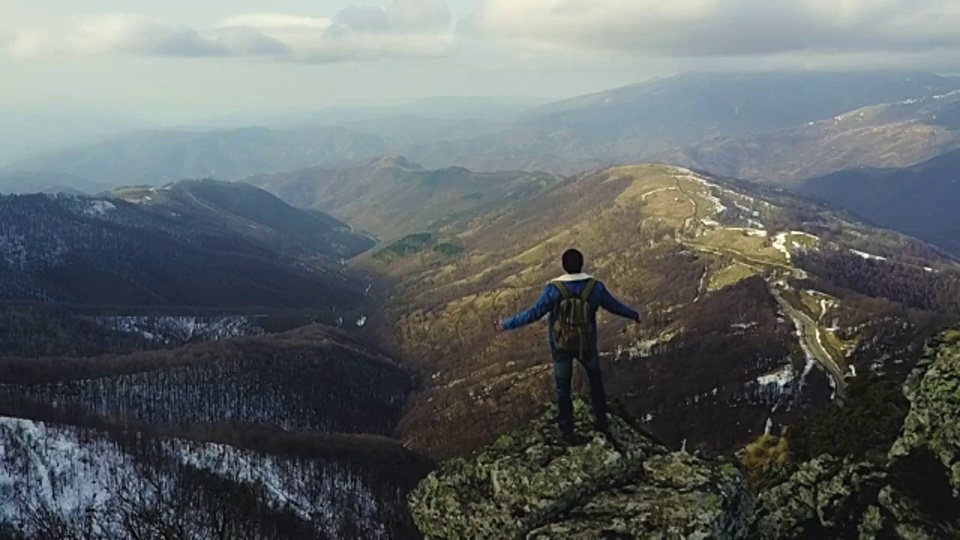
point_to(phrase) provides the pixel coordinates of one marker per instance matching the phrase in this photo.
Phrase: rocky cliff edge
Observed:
(529, 485)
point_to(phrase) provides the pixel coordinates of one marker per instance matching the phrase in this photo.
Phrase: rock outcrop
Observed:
(932, 427)
(529, 485)
(911, 494)
(825, 498)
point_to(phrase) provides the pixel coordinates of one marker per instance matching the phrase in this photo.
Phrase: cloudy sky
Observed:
(182, 59)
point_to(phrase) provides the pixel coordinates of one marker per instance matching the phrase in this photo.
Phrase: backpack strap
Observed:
(564, 291)
(588, 290)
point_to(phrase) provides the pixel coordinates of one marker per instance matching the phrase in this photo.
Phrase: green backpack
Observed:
(572, 329)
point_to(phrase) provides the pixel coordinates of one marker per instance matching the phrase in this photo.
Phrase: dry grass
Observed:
(766, 459)
(739, 244)
(731, 275)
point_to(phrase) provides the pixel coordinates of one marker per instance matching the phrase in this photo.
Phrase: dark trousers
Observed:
(563, 372)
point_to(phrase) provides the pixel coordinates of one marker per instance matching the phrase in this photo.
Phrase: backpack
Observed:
(572, 329)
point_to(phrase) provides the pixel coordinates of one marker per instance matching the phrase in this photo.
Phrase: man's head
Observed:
(572, 261)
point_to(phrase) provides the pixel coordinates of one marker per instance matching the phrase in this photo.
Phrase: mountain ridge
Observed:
(654, 120)
(112, 251)
(756, 280)
(392, 196)
(894, 135)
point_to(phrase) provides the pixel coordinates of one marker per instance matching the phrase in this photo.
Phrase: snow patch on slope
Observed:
(867, 256)
(47, 468)
(781, 378)
(99, 207)
(184, 329)
(780, 244)
(751, 231)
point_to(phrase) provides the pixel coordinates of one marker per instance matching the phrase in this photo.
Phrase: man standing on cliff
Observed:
(572, 301)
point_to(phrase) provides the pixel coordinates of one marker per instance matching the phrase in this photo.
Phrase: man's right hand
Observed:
(498, 326)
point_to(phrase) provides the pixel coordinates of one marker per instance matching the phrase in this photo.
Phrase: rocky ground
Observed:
(529, 485)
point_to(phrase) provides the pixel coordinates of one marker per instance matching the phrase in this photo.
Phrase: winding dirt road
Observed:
(810, 333)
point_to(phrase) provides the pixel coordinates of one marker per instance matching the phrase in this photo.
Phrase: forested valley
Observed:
(191, 366)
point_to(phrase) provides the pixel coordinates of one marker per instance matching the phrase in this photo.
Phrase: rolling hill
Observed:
(392, 197)
(753, 312)
(918, 200)
(244, 210)
(192, 244)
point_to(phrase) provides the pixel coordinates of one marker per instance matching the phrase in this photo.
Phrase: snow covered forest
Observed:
(165, 372)
(282, 381)
(69, 482)
(266, 437)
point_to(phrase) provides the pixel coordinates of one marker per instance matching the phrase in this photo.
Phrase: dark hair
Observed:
(572, 261)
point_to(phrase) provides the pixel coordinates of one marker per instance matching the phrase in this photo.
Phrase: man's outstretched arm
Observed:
(535, 313)
(611, 304)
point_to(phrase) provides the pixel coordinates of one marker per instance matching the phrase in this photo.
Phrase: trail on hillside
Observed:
(696, 209)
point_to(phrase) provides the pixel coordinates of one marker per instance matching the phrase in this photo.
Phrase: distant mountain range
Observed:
(158, 157)
(49, 182)
(897, 134)
(201, 243)
(453, 108)
(657, 119)
(26, 132)
(740, 125)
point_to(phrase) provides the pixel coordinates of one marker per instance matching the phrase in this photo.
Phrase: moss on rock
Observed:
(529, 484)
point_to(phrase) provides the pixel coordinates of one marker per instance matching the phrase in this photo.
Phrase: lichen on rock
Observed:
(911, 493)
(933, 424)
(679, 496)
(530, 485)
(821, 499)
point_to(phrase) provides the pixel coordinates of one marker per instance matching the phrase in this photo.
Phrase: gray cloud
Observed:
(684, 28)
(248, 42)
(419, 15)
(704, 31)
(135, 35)
(363, 19)
(406, 29)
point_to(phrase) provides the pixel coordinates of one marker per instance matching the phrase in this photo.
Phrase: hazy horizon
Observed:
(178, 62)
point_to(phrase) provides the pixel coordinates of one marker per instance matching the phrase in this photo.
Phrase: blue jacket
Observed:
(549, 303)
